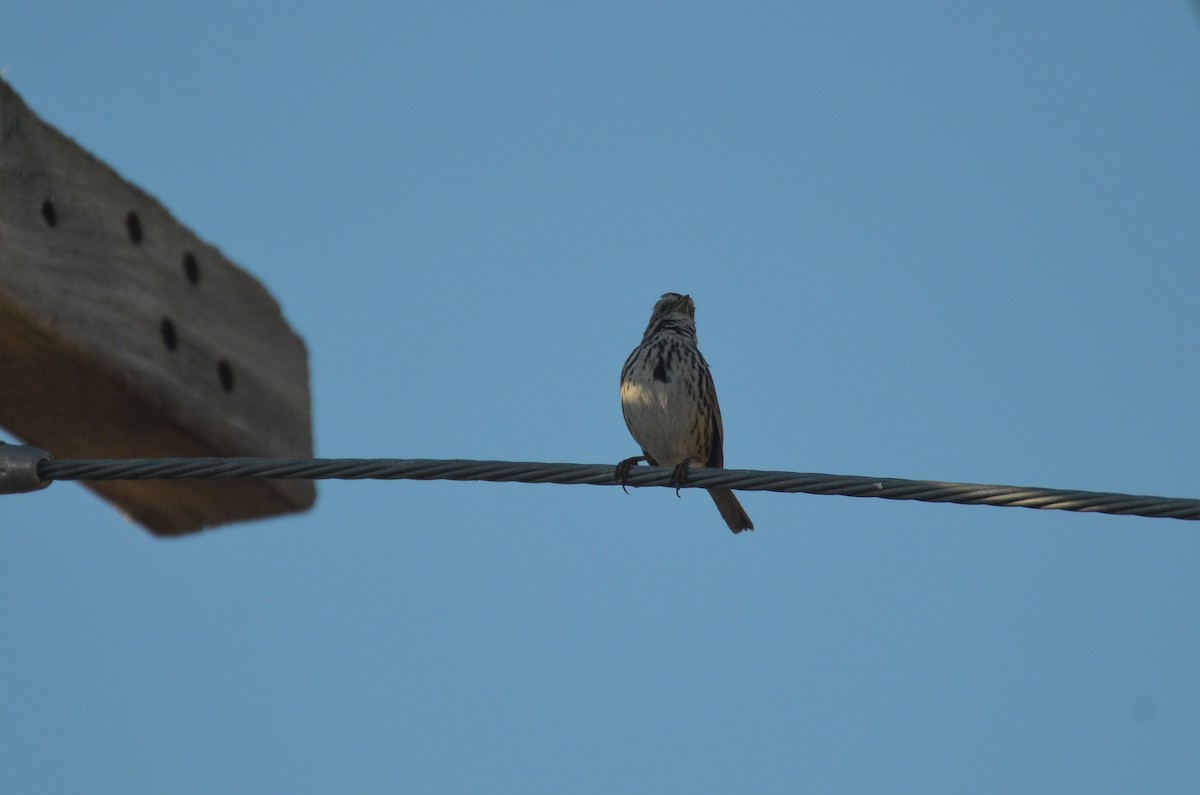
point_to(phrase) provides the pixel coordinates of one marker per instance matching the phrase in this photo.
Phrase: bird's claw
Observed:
(679, 478)
(621, 475)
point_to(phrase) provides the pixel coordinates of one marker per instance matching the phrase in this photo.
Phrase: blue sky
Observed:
(931, 240)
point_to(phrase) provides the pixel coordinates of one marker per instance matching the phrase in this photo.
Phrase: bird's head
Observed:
(673, 312)
(674, 304)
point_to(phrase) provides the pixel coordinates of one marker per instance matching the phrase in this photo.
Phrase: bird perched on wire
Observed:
(670, 403)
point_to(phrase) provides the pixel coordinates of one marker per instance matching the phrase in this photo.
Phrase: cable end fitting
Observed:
(19, 468)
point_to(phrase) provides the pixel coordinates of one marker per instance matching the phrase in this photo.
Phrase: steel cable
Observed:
(603, 475)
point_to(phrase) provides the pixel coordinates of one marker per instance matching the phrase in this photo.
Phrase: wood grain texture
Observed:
(123, 334)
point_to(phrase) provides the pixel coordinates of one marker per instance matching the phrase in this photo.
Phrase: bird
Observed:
(670, 404)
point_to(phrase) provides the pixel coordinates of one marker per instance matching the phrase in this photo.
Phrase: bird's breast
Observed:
(661, 410)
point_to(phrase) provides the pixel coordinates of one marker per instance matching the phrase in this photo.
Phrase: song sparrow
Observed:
(670, 403)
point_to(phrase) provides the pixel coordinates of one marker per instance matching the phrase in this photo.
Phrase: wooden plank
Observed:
(123, 334)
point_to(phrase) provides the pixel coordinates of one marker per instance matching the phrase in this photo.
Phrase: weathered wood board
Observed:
(123, 334)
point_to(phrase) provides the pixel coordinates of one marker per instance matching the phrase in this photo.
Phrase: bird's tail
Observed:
(731, 510)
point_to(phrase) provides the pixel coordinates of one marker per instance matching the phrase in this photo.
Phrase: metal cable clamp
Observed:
(19, 468)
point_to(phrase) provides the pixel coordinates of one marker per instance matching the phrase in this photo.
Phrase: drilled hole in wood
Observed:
(134, 225)
(191, 268)
(49, 213)
(167, 329)
(225, 374)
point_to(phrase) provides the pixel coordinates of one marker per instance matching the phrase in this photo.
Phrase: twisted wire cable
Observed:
(603, 475)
